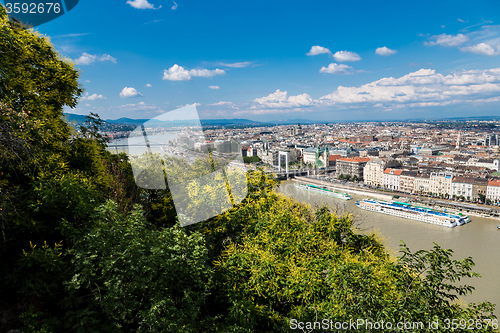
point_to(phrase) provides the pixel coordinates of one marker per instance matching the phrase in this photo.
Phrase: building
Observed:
(407, 181)
(440, 183)
(317, 157)
(429, 151)
(373, 170)
(296, 130)
(268, 155)
(492, 164)
(461, 187)
(421, 184)
(203, 146)
(391, 179)
(491, 140)
(351, 166)
(227, 146)
(479, 188)
(493, 191)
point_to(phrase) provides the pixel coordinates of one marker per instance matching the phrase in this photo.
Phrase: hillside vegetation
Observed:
(83, 249)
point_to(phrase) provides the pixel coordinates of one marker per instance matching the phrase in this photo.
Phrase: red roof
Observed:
(396, 172)
(354, 159)
(494, 183)
(334, 157)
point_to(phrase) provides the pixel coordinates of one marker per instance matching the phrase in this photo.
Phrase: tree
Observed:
(34, 78)
(294, 262)
(131, 276)
(51, 178)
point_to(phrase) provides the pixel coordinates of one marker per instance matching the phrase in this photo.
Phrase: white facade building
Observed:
(391, 179)
(462, 187)
(493, 191)
(373, 171)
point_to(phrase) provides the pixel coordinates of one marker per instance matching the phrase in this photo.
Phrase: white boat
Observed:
(405, 210)
(323, 190)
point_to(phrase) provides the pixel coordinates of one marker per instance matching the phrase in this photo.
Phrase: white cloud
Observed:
(222, 103)
(460, 20)
(174, 7)
(128, 92)
(343, 56)
(447, 40)
(148, 85)
(241, 64)
(481, 48)
(422, 88)
(87, 59)
(93, 97)
(214, 87)
(384, 51)
(280, 99)
(225, 104)
(183, 106)
(315, 50)
(334, 68)
(178, 73)
(141, 4)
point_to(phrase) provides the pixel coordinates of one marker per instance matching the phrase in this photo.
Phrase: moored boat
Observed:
(406, 210)
(324, 190)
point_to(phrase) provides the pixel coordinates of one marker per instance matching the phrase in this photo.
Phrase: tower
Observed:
(327, 157)
(318, 163)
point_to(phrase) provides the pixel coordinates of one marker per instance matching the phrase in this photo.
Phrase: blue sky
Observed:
(276, 60)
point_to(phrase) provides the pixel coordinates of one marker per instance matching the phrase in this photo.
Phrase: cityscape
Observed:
(458, 161)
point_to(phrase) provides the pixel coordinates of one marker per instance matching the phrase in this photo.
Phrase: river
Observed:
(135, 145)
(479, 239)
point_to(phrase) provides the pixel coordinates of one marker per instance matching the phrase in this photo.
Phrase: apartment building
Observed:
(407, 181)
(479, 188)
(352, 166)
(373, 171)
(421, 183)
(493, 191)
(440, 183)
(462, 187)
(391, 179)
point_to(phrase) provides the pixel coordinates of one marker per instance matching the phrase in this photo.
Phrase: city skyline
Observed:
(284, 60)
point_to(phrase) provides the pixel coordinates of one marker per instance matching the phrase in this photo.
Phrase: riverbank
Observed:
(449, 206)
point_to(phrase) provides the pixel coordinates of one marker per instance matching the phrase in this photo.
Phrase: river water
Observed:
(479, 239)
(135, 145)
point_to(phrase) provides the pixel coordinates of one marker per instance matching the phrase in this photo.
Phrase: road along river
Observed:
(479, 239)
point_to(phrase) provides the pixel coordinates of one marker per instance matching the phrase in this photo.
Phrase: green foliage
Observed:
(38, 322)
(251, 159)
(293, 262)
(136, 277)
(33, 77)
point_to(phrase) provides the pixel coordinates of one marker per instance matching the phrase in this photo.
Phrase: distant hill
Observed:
(75, 117)
(247, 122)
(136, 122)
